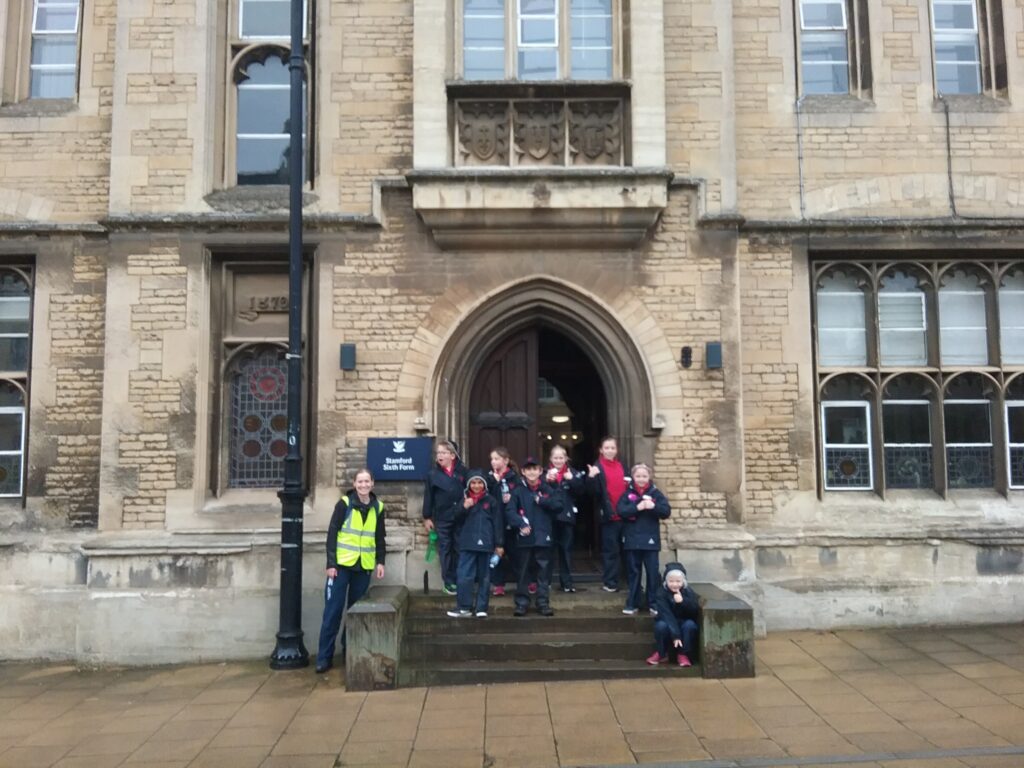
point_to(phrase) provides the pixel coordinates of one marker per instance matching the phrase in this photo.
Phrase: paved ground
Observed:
(900, 699)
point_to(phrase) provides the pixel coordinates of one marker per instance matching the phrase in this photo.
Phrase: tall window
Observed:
(1015, 438)
(963, 324)
(902, 321)
(1011, 317)
(539, 39)
(906, 427)
(842, 333)
(969, 50)
(934, 396)
(53, 66)
(261, 80)
(15, 328)
(957, 49)
(847, 445)
(834, 53)
(259, 419)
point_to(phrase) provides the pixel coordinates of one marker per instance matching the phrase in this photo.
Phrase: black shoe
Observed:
(321, 668)
(519, 611)
(545, 611)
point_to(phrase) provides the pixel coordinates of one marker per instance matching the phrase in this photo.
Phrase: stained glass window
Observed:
(12, 438)
(259, 421)
(847, 446)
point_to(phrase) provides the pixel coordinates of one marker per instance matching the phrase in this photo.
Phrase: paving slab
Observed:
(933, 698)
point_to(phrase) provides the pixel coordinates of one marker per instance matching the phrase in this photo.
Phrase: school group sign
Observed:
(399, 458)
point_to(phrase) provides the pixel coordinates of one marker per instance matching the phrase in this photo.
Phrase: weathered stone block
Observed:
(375, 626)
(726, 634)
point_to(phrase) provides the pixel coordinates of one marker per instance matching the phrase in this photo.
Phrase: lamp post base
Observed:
(289, 652)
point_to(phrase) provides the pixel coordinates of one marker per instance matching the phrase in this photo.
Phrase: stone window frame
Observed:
(564, 30)
(858, 49)
(989, 35)
(935, 378)
(17, 53)
(21, 380)
(227, 350)
(244, 51)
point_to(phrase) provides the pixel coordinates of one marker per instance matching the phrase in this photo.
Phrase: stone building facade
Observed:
(782, 241)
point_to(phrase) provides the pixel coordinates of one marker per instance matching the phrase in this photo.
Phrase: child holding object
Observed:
(567, 485)
(501, 481)
(479, 541)
(532, 513)
(678, 614)
(642, 508)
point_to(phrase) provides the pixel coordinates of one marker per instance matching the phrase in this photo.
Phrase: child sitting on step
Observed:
(678, 613)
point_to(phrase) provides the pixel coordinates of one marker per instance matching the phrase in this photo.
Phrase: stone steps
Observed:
(587, 638)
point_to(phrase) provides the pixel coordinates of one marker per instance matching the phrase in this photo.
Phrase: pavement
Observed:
(921, 698)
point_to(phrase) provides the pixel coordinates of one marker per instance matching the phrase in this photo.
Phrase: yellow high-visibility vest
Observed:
(357, 542)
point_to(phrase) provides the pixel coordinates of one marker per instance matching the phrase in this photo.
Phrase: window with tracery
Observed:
(920, 374)
(15, 347)
(260, 113)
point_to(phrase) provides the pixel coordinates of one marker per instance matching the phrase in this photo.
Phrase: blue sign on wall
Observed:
(399, 458)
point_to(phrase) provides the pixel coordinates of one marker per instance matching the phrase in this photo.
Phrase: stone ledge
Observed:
(550, 208)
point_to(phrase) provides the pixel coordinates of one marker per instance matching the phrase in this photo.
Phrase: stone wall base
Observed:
(103, 598)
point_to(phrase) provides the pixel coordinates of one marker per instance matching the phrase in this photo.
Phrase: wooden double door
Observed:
(503, 401)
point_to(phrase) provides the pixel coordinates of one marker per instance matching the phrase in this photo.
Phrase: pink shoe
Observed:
(656, 658)
(683, 660)
(532, 588)
(499, 592)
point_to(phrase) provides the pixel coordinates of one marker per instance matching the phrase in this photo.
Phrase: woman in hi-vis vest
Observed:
(355, 549)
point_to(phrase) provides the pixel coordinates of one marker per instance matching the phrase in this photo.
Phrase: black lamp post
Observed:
(289, 651)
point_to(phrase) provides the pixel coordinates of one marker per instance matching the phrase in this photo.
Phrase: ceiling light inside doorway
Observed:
(560, 419)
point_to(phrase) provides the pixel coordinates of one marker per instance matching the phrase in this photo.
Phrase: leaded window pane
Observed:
(10, 474)
(259, 422)
(1015, 442)
(591, 39)
(969, 461)
(53, 58)
(906, 428)
(847, 445)
(958, 65)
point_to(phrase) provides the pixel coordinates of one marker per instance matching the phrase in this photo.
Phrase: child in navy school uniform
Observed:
(678, 616)
(642, 508)
(482, 524)
(532, 512)
(501, 481)
(567, 485)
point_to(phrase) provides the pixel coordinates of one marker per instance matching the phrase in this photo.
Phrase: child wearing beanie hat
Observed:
(678, 613)
(482, 526)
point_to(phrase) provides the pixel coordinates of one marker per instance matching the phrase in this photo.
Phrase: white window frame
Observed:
(863, 328)
(20, 452)
(825, 445)
(43, 33)
(944, 327)
(1009, 471)
(957, 36)
(974, 401)
(882, 330)
(287, 33)
(843, 30)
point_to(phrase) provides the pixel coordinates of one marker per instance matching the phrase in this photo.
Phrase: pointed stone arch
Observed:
(637, 368)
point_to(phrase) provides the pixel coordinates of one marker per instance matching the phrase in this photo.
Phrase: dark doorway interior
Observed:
(538, 388)
(565, 368)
